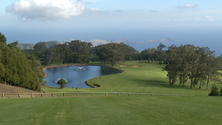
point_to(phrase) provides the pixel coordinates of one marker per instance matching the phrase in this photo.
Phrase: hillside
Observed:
(24, 46)
(14, 89)
(194, 109)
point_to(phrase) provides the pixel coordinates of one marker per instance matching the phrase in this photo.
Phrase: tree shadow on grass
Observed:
(159, 83)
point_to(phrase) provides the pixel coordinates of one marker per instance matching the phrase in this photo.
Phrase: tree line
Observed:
(78, 51)
(184, 63)
(197, 64)
(18, 68)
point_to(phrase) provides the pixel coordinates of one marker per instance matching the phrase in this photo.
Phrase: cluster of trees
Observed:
(28, 46)
(184, 63)
(151, 54)
(75, 51)
(113, 53)
(197, 64)
(214, 91)
(78, 51)
(17, 68)
(23, 46)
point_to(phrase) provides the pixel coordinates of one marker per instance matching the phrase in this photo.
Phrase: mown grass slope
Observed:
(195, 109)
(138, 76)
(118, 110)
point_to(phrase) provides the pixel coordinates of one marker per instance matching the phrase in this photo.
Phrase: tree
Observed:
(13, 45)
(214, 91)
(40, 47)
(114, 53)
(19, 69)
(62, 83)
(2, 38)
(198, 64)
(161, 46)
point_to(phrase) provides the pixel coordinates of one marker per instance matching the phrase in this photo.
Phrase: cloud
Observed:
(187, 6)
(118, 11)
(48, 9)
(153, 11)
(90, 2)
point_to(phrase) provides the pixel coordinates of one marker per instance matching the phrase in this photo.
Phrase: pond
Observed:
(76, 75)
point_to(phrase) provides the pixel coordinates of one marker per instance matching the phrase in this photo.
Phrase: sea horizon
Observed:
(139, 38)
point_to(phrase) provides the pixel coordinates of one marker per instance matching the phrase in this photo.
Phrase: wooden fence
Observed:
(80, 94)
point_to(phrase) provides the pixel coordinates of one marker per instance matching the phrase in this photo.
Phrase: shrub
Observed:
(62, 83)
(221, 91)
(213, 91)
(44, 83)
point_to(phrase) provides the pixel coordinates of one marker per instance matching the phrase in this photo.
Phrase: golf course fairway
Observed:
(187, 107)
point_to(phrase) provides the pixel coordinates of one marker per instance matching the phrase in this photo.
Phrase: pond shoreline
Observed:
(69, 65)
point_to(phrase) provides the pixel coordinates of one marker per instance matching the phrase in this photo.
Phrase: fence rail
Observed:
(80, 94)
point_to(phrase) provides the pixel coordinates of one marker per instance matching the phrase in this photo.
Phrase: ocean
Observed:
(203, 37)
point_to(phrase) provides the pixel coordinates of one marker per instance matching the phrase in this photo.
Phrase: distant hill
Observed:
(51, 43)
(24, 46)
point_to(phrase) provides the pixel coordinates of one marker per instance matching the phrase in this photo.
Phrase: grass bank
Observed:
(138, 76)
(156, 110)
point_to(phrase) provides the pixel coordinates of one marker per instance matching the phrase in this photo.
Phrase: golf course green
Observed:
(186, 107)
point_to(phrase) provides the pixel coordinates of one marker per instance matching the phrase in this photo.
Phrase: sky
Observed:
(31, 21)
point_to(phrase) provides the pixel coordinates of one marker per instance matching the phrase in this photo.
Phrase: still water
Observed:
(76, 75)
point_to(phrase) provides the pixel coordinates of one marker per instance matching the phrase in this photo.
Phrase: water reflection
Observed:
(76, 78)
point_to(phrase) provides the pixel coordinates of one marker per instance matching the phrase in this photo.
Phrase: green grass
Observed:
(195, 109)
(113, 110)
(148, 78)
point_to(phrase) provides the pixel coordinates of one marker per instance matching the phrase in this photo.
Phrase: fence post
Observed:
(92, 93)
(129, 94)
(3, 95)
(63, 93)
(41, 95)
(19, 95)
(32, 95)
(52, 94)
(105, 94)
(77, 94)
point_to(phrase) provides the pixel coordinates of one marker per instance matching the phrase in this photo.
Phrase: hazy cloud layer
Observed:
(188, 6)
(118, 11)
(48, 9)
(208, 18)
(153, 11)
(155, 41)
